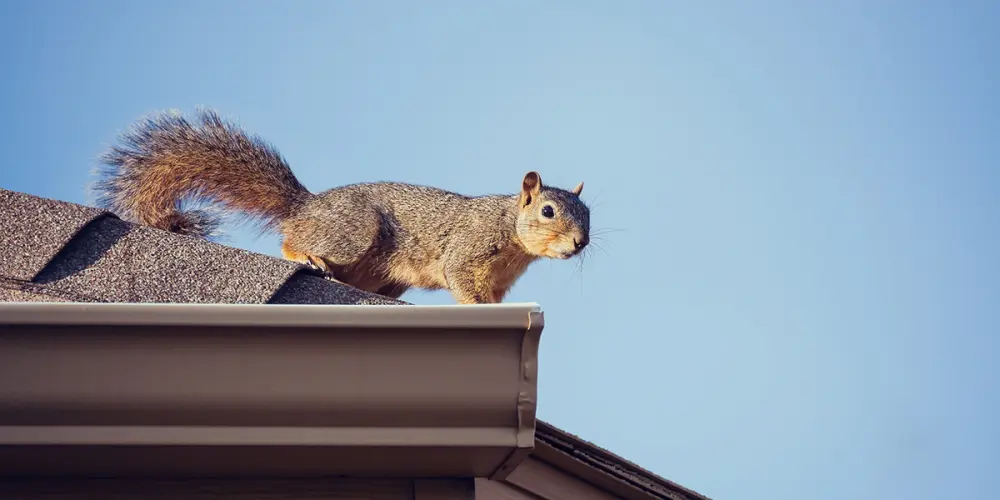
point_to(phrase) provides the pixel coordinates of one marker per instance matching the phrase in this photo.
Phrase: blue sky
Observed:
(796, 299)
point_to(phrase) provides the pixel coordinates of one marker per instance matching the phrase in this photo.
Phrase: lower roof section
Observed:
(267, 390)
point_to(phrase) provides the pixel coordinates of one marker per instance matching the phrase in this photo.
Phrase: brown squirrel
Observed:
(383, 237)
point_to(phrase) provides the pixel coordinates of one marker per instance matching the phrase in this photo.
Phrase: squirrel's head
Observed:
(552, 222)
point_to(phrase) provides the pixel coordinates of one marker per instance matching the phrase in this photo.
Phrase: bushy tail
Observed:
(166, 161)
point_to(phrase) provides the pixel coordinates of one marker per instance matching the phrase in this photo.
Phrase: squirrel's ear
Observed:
(530, 186)
(578, 189)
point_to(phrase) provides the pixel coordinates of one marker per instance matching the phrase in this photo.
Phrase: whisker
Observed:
(599, 240)
(599, 247)
(586, 255)
(593, 203)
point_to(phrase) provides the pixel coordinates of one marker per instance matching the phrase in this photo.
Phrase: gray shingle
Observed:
(304, 289)
(13, 295)
(33, 230)
(111, 260)
(123, 262)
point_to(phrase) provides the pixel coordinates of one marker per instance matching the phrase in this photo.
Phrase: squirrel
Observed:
(382, 237)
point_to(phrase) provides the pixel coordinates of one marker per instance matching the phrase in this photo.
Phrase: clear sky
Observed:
(800, 297)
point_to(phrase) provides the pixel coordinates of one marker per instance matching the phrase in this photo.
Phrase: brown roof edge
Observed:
(267, 390)
(603, 468)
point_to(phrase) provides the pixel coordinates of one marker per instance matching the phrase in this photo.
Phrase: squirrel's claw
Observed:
(317, 264)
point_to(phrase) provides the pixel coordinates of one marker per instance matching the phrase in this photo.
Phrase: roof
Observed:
(574, 454)
(54, 251)
(58, 251)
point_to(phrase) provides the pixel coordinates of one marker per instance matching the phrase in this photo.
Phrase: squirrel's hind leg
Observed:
(341, 242)
(303, 258)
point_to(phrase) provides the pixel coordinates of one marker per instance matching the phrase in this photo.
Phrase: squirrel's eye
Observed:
(547, 211)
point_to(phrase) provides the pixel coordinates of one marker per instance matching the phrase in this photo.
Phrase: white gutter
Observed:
(122, 389)
(511, 315)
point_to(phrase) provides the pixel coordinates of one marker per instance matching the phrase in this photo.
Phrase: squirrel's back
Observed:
(422, 219)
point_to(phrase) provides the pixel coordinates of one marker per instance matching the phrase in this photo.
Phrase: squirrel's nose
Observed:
(579, 243)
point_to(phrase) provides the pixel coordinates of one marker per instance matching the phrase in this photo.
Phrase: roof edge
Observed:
(603, 468)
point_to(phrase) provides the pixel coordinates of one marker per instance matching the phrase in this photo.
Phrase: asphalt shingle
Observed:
(302, 288)
(131, 263)
(33, 230)
(16, 295)
(69, 251)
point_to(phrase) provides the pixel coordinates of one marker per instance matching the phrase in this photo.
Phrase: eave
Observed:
(229, 390)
